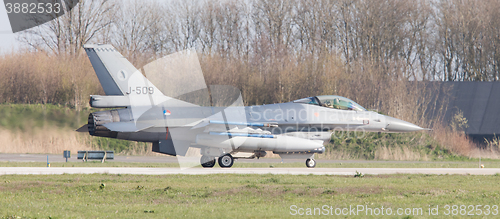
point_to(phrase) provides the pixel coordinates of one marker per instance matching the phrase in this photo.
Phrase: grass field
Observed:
(238, 196)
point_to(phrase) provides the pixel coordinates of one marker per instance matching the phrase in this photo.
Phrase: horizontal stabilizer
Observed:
(98, 101)
(126, 126)
(84, 128)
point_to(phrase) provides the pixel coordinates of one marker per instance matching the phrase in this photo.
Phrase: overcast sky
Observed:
(7, 38)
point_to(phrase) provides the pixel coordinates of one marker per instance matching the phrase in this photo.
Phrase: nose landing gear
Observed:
(310, 163)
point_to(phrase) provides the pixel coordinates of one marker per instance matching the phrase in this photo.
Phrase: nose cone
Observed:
(398, 125)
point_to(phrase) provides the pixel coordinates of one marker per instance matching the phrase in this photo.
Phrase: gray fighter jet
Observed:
(296, 129)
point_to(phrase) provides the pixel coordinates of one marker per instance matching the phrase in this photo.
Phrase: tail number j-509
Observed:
(141, 90)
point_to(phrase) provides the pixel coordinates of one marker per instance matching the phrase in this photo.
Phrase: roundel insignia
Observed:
(166, 112)
(122, 75)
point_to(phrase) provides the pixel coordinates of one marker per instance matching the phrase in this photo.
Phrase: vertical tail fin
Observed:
(112, 69)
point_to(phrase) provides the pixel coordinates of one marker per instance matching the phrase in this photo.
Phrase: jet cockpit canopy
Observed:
(332, 101)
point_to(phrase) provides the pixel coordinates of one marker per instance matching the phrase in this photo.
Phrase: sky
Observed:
(7, 38)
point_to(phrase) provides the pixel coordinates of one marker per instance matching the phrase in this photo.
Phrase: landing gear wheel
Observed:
(207, 162)
(311, 163)
(226, 161)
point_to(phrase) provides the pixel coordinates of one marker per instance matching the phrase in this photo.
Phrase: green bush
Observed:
(365, 147)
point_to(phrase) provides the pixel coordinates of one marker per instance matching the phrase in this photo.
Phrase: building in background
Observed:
(478, 101)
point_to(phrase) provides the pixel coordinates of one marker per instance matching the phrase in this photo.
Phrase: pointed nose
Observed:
(398, 125)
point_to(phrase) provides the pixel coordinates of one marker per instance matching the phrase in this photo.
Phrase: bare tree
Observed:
(137, 30)
(185, 21)
(273, 22)
(69, 32)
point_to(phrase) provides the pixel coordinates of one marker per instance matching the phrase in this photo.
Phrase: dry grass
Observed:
(484, 153)
(455, 141)
(36, 77)
(137, 148)
(459, 143)
(382, 153)
(398, 153)
(52, 140)
(48, 140)
(336, 155)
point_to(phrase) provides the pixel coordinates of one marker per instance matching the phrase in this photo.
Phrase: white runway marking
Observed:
(200, 171)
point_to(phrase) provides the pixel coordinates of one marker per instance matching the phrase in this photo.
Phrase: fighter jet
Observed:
(297, 129)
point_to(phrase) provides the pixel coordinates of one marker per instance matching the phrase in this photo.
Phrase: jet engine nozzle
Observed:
(97, 120)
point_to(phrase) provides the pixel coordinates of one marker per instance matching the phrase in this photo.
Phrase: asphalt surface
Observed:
(171, 159)
(60, 158)
(201, 171)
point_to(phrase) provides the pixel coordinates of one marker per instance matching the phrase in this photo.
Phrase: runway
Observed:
(54, 158)
(202, 171)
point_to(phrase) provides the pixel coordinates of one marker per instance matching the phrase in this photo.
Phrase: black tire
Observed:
(226, 161)
(207, 162)
(310, 163)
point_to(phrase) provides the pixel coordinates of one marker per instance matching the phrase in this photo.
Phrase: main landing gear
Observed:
(225, 161)
(207, 161)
